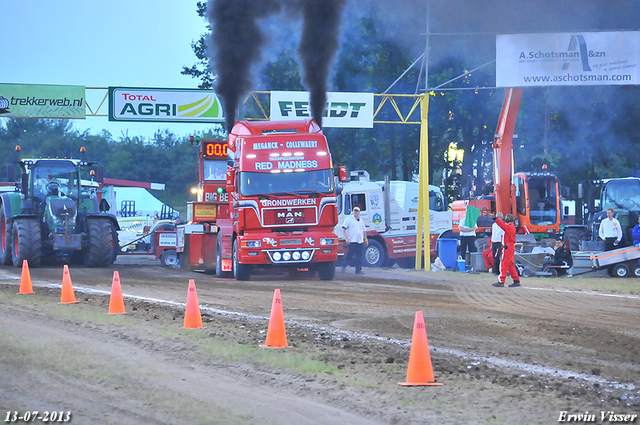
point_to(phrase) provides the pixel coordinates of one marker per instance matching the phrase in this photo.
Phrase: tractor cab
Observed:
(54, 178)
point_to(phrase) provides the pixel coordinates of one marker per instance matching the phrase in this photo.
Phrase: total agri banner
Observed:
(42, 101)
(164, 105)
(348, 110)
(567, 59)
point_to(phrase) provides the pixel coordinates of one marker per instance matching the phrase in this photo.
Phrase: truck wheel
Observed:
(5, 239)
(374, 254)
(27, 242)
(219, 271)
(636, 270)
(327, 271)
(620, 270)
(406, 262)
(169, 258)
(240, 271)
(101, 244)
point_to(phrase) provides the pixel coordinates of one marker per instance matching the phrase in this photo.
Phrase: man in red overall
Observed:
(506, 265)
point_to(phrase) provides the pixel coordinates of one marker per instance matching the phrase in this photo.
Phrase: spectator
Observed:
(508, 251)
(487, 256)
(496, 244)
(610, 231)
(467, 237)
(636, 233)
(354, 234)
(562, 258)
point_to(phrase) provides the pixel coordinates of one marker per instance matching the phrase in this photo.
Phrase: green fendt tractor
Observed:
(52, 217)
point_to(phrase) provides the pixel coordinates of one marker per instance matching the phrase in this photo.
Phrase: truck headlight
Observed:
(286, 256)
(251, 244)
(306, 255)
(327, 241)
(296, 255)
(277, 256)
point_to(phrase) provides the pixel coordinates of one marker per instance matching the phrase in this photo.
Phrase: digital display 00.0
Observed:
(215, 149)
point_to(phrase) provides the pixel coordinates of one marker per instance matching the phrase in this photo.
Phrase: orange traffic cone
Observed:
(192, 318)
(276, 334)
(25, 281)
(67, 296)
(116, 302)
(420, 371)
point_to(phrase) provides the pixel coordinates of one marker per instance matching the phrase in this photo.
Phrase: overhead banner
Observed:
(164, 105)
(42, 101)
(567, 59)
(347, 110)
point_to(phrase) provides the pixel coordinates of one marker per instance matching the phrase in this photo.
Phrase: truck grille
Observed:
(289, 216)
(290, 241)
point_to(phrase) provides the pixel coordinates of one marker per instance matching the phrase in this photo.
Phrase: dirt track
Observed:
(504, 355)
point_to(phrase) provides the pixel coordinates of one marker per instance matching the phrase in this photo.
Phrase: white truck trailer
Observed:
(390, 217)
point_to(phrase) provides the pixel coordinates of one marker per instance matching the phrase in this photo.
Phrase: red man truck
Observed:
(277, 207)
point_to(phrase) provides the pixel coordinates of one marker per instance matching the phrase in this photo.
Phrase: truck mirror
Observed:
(230, 180)
(11, 172)
(25, 183)
(342, 174)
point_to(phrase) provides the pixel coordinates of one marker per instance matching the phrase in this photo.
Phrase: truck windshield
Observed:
(54, 178)
(623, 194)
(273, 183)
(215, 170)
(542, 201)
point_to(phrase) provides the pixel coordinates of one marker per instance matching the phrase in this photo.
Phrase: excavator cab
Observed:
(537, 203)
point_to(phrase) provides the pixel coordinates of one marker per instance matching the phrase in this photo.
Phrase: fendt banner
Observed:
(567, 59)
(42, 101)
(347, 110)
(164, 105)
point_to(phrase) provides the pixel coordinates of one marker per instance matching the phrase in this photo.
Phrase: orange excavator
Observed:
(532, 197)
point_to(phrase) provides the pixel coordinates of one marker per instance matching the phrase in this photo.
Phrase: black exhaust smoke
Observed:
(237, 40)
(318, 46)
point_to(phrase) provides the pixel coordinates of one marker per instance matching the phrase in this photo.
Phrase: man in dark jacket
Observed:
(562, 258)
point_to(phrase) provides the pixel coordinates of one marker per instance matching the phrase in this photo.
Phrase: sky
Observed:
(97, 43)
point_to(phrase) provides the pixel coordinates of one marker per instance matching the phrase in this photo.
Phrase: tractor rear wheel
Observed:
(27, 242)
(5, 239)
(101, 244)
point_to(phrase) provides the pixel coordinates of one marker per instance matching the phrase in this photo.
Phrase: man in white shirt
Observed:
(354, 230)
(610, 231)
(467, 237)
(496, 244)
